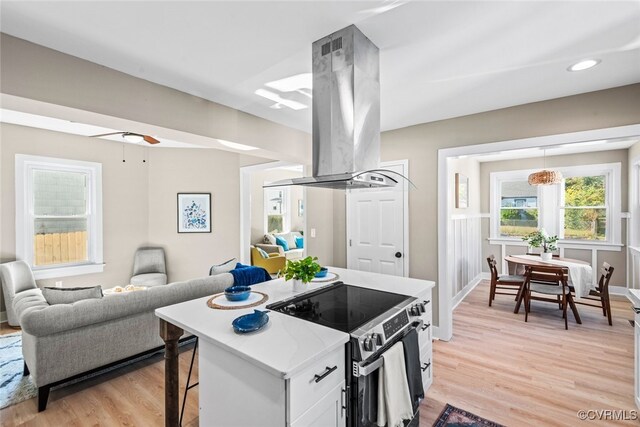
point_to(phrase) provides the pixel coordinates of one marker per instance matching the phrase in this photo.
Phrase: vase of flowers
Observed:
(300, 272)
(540, 239)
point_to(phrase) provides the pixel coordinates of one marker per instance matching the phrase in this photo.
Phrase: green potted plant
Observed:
(540, 239)
(300, 271)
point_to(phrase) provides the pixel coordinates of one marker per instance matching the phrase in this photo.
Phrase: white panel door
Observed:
(376, 229)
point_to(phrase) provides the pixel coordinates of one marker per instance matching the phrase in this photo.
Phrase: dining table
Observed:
(580, 273)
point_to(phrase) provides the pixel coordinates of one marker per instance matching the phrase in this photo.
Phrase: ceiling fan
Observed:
(131, 137)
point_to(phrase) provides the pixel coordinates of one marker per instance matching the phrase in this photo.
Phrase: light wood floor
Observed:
(535, 373)
(496, 365)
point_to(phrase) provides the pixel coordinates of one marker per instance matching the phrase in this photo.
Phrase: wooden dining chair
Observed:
(512, 283)
(601, 293)
(551, 282)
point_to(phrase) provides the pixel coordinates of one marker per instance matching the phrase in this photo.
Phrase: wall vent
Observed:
(326, 48)
(337, 44)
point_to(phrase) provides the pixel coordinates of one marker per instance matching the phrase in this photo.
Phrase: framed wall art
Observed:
(462, 191)
(194, 212)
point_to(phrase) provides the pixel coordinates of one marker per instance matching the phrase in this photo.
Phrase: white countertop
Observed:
(287, 344)
(634, 297)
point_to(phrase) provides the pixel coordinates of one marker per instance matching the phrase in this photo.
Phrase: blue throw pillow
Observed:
(281, 242)
(263, 253)
(300, 242)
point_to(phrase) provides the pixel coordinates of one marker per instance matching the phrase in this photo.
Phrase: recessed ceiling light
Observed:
(584, 65)
(237, 146)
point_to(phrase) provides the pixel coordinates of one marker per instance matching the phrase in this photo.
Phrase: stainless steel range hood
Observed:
(346, 114)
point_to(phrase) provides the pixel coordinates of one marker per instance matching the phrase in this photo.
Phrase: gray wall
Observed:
(139, 201)
(420, 144)
(34, 72)
(125, 189)
(615, 258)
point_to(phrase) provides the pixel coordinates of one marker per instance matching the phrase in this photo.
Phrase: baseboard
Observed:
(435, 335)
(467, 289)
(619, 290)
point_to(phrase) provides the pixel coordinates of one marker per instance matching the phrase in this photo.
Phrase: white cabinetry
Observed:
(328, 412)
(425, 341)
(239, 393)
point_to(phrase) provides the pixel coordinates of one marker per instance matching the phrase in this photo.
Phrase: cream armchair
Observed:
(16, 277)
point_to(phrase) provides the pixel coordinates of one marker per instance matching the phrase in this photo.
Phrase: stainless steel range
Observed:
(375, 320)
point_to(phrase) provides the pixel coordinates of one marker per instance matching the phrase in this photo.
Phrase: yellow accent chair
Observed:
(273, 264)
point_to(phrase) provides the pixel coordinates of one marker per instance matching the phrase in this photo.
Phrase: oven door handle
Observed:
(363, 371)
(360, 370)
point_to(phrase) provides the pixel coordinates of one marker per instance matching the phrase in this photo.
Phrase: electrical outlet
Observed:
(313, 232)
(59, 284)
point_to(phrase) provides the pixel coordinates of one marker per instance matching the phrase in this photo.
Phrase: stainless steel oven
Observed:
(375, 320)
(364, 375)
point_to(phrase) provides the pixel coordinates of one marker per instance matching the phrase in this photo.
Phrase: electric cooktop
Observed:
(340, 306)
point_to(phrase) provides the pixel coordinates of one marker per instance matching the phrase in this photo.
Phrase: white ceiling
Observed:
(439, 59)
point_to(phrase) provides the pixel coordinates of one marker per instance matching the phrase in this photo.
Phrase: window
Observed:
(58, 216)
(276, 210)
(584, 208)
(518, 208)
(584, 211)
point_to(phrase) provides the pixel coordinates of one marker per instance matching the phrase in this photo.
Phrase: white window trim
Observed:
(548, 213)
(496, 179)
(24, 164)
(286, 216)
(634, 203)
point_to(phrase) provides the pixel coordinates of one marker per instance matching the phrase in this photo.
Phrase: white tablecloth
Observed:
(580, 275)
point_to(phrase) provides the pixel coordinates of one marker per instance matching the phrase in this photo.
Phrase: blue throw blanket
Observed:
(247, 275)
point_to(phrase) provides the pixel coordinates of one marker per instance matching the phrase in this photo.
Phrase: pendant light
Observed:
(545, 177)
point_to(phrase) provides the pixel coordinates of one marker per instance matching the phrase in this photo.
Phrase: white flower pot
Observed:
(546, 256)
(299, 285)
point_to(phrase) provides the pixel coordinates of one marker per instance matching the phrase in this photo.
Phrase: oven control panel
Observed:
(395, 324)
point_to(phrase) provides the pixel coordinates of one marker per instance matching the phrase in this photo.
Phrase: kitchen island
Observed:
(267, 377)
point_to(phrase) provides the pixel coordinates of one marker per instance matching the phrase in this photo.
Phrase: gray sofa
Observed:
(62, 341)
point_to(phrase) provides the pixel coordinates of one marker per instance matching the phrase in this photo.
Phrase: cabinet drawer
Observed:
(311, 385)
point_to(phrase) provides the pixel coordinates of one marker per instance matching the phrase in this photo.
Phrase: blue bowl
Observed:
(237, 293)
(322, 273)
(250, 322)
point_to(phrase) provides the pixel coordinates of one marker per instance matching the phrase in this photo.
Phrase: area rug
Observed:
(15, 388)
(456, 417)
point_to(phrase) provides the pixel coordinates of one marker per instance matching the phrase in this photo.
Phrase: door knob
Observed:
(398, 254)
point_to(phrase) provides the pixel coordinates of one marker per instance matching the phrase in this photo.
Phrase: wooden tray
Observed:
(220, 302)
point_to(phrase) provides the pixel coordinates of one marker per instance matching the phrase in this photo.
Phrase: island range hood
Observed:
(346, 115)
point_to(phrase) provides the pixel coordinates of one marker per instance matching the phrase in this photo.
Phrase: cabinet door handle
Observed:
(426, 366)
(425, 327)
(328, 370)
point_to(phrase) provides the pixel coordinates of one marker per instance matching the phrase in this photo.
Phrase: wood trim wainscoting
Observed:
(497, 366)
